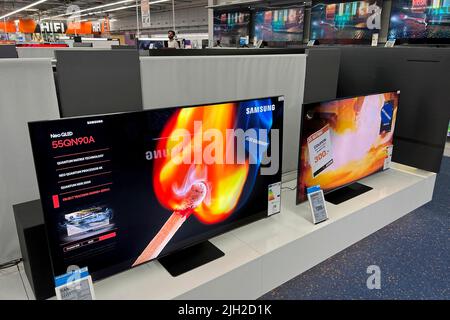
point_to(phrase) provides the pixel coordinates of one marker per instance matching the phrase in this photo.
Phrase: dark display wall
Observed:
(98, 82)
(421, 74)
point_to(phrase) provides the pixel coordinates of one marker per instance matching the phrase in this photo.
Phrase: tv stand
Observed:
(190, 258)
(346, 193)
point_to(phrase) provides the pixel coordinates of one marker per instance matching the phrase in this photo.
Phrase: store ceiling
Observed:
(53, 8)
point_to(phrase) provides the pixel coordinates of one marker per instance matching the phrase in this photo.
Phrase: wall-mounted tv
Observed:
(343, 141)
(345, 22)
(122, 189)
(420, 21)
(229, 27)
(283, 24)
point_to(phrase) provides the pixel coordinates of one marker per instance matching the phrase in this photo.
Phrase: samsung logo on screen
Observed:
(260, 109)
(94, 122)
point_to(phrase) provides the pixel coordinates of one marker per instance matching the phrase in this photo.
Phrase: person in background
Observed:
(218, 44)
(173, 43)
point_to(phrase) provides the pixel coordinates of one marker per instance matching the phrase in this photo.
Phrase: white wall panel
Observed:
(27, 93)
(182, 81)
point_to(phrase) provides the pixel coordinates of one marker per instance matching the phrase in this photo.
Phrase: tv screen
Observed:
(353, 22)
(279, 25)
(123, 189)
(343, 141)
(420, 21)
(229, 27)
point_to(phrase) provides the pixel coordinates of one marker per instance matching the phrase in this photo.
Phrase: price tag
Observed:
(311, 43)
(319, 148)
(75, 285)
(388, 160)
(390, 43)
(375, 37)
(317, 203)
(274, 201)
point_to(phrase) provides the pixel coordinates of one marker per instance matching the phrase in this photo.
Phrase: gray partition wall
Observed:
(422, 76)
(27, 93)
(98, 82)
(8, 51)
(322, 74)
(184, 81)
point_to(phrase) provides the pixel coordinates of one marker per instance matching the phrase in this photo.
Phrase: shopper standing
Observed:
(173, 43)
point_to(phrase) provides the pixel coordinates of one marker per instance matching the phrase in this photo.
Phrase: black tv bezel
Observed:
(415, 41)
(334, 41)
(307, 105)
(127, 264)
(282, 7)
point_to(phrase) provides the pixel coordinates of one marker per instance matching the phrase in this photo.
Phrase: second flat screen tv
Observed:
(279, 25)
(343, 141)
(420, 21)
(230, 27)
(345, 22)
(123, 189)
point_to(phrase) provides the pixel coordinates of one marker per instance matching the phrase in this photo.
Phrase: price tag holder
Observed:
(75, 285)
(390, 43)
(375, 38)
(317, 203)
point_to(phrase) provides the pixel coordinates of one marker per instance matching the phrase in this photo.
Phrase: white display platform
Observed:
(261, 256)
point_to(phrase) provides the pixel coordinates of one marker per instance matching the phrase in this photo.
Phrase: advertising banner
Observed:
(145, 13)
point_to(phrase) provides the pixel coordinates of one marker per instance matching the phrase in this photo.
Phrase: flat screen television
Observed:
(345, 140)
(420, 21)
(123, 189)
(229, 27)
(351, 22)
(279, 25)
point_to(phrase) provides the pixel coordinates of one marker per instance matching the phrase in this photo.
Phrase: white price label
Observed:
(319, 147)
(274, 199)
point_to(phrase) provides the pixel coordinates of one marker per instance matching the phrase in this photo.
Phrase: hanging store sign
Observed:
(145, 14)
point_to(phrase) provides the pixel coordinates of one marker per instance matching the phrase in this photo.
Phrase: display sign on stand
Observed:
(317, 203)
(75, 285)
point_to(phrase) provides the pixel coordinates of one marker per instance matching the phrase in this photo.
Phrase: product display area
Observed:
(262, 255)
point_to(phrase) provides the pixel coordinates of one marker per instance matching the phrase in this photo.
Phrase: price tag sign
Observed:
(375, 38)
(390, 43)
(317, 203)
(319, 148)
(75, 285)
(311, 43)
(274, 200)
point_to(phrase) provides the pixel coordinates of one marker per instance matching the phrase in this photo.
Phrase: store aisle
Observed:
(412, 253)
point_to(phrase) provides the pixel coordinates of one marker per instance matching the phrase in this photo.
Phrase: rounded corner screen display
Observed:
(356, 20)
(123, 189)
(343, 141)
(420, 20)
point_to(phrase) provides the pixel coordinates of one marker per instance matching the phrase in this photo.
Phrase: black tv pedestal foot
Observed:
(346, 193)
(190, 258)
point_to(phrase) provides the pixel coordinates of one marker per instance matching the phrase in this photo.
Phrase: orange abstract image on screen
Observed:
(360, 130)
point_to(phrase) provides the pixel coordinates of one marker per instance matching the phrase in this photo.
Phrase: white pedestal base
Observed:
(263, 255)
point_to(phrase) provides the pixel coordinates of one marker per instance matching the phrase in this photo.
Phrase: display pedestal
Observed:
(265, 254)
(346, 193)
(190, 258)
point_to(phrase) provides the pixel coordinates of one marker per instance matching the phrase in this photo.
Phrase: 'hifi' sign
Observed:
(52, 27)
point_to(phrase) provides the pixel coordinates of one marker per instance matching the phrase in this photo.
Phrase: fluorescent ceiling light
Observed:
(23, 8)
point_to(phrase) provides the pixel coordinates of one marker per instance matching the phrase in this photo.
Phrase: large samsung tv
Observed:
(420, 21)
(123, 189)
(230, 27)
(350, 22)
(279, 25)
(345, 140)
